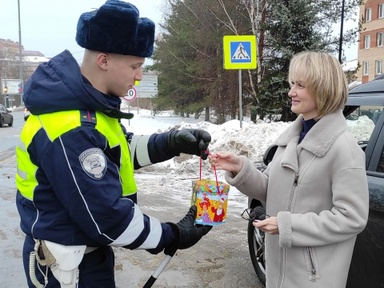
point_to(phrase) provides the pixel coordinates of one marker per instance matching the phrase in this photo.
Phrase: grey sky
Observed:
(49, 26)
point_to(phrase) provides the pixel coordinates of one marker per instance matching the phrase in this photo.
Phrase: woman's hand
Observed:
(227, 161)
(269, 225)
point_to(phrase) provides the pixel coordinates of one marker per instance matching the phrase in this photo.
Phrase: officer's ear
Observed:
(103, 60)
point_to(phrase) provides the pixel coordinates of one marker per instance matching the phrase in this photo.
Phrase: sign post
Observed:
(146, 88)
(13, 86)
(240, 53)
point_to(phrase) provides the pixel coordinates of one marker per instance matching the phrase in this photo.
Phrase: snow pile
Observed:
(251, 140)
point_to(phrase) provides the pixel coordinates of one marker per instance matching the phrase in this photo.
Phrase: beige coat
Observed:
(318, 190)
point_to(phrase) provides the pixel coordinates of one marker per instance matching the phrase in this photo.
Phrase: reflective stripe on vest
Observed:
(58, 123)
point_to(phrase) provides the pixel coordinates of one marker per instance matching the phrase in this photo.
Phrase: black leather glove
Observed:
(189, 141)
(186, 233)
(258, 213)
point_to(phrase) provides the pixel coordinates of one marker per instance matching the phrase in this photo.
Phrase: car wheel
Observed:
(257, 251)
(10, 123)
(1, 122)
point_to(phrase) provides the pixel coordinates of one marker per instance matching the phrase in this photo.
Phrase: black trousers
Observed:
(96, 270)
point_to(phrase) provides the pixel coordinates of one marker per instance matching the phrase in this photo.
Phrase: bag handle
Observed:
(214, 169)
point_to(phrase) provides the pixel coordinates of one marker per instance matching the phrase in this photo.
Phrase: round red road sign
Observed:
(131, 95)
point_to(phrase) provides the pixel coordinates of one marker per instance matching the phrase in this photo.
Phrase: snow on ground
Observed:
(251, 140)
(221, 264)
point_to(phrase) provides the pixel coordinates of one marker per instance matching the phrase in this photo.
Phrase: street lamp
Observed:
(20, 56)
(341, 31)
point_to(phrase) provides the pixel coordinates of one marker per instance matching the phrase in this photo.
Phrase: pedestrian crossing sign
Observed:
(239, 52)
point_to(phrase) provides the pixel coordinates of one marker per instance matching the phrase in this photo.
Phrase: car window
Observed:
(361, 123)
(2, 109)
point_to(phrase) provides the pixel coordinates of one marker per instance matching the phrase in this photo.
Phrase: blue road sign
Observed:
(240, 52)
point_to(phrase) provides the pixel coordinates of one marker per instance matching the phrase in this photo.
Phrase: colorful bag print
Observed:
(211, 200)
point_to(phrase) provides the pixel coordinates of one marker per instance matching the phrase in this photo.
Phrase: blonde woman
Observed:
(315, 188)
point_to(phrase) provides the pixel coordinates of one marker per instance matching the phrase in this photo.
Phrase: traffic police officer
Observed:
(76, 193)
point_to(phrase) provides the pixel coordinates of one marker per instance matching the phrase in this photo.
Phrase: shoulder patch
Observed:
(94, 163)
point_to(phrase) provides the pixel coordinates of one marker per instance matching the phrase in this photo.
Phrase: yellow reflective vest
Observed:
(55, 125)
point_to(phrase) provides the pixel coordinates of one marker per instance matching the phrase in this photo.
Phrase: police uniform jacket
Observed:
(75, 182)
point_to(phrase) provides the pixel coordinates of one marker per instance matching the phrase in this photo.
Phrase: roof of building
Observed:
(35, 59)
(32, 53)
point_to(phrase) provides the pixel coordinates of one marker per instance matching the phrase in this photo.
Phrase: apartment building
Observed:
(371, 44)
(10, 67)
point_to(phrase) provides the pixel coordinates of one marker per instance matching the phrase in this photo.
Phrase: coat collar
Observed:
(320, 138)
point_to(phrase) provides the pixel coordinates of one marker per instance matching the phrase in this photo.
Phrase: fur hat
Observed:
(116, 28)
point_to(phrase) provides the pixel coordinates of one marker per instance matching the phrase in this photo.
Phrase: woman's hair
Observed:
(324, 78)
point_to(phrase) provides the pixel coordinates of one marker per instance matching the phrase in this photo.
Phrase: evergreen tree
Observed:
(189, 58)
(190, 55)
(291, 27)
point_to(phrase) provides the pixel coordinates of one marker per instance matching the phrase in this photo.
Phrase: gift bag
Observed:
(211, 200)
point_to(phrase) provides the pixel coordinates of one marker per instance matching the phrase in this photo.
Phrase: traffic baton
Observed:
(158, 271)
